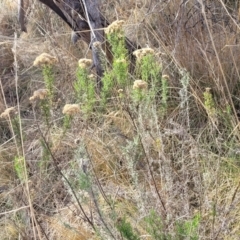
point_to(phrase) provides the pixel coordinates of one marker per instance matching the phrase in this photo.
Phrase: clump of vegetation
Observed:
(117, 77)
(84, 86)
(45, 61)
(126, 230)
(19, 168)
(153, 155)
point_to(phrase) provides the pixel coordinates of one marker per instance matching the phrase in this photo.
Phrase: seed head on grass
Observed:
(8, 112)
(140, 85)
(44, 59)
(39, 94)
(85, 63)
(140, 53)
(92, 76)
(46, 62)
(114, 27)
(71, 109)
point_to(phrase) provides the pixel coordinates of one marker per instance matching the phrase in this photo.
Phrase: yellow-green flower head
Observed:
(44, 59)
(85, 63)
(39, 94)
(8, 112)
(114, 27)
(140, 84)
(140, 53)
(71, 109)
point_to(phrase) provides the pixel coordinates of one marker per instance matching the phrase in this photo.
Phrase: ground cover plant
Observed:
(154, 155)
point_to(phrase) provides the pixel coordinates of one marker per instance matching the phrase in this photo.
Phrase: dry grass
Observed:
(181, 164)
